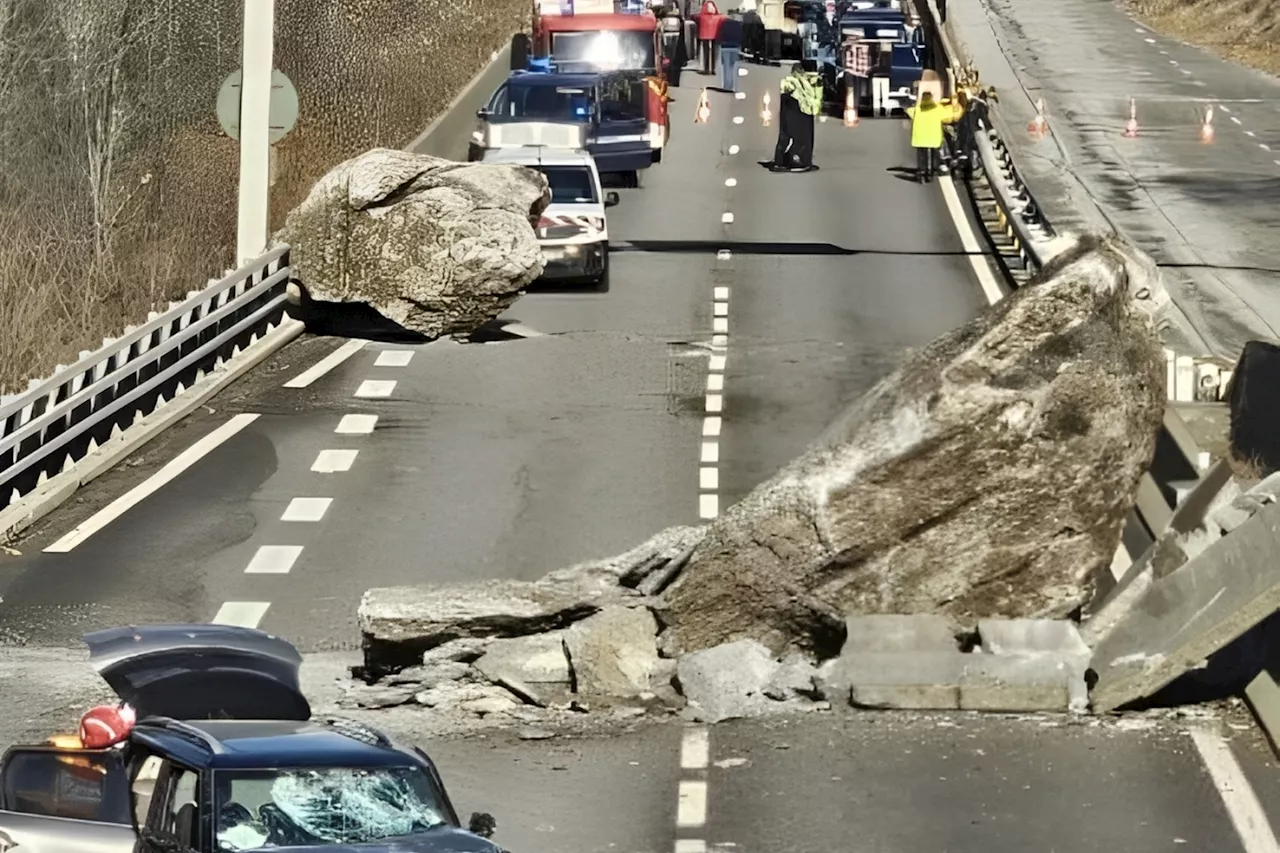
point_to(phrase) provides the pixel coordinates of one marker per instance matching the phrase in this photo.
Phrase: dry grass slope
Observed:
(1244, 31)
(118, 187)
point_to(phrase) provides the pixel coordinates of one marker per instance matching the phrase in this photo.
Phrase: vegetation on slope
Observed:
(1244, 31)
(117, 185)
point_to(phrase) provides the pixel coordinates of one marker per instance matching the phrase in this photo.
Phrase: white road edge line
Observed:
(151, 485)
(1246, 813)
(324, 365)
(969, 240)
(241, 614)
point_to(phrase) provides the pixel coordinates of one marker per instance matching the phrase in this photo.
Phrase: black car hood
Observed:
(443, 839)
(201, 672)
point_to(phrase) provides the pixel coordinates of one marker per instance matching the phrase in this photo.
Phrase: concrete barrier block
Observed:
(1013, 636)
(924, 632)
(1027, 681)
(917, 681)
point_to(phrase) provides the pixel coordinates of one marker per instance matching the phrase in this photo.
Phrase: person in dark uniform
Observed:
(673, 45)
(521, 50)
(798, 109)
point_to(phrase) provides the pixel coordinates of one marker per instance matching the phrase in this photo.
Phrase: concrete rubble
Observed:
(433, 246)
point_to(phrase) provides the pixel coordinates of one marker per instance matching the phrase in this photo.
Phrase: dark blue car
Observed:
(225, 756)
(608, 106)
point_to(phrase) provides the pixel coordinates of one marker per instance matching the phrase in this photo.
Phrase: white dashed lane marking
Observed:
(306, 509)
(726, 218)
(730, 182)
(1236, 120)
(376, 388)
(733, 149)
(242, 614)
(334, 461)
(394, 358)
(274, 560)
(356, 424)
(326, 364)
(151, 485)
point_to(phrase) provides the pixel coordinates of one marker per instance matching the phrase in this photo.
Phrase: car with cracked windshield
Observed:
(225, 755)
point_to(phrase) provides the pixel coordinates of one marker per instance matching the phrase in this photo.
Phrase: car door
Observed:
(64, 801)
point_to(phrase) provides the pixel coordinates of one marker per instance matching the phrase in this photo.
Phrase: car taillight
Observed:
(544, 223)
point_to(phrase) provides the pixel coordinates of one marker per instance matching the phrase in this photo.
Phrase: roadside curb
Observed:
(55, 491)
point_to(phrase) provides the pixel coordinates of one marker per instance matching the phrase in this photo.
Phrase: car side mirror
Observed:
(611, 199)
(482, 824)
(482, 113)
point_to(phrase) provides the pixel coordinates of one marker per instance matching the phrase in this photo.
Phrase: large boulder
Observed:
(435, 246)
(989, 476)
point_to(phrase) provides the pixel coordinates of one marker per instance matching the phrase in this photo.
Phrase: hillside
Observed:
(117, 185)
(1244, 31)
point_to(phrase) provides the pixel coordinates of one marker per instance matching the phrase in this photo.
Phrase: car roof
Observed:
(538, 155)
(538, 78)
(257, 744)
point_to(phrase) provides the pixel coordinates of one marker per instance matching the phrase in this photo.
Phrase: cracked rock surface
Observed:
(435, 246)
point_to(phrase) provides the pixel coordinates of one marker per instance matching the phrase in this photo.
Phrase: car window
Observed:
(498, 103)
(179, 819)
(324, 806)
(144, 784)
(570, 184)
(74, 784)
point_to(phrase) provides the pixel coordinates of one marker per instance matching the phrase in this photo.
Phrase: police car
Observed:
(573, 231)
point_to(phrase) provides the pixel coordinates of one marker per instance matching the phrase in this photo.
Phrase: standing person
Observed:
(927, 118)
(673, 41)
(975, 119)
(730, 41)
(708, 25)
(799, 105)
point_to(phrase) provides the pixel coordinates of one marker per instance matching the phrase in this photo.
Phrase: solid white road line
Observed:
(969, 241)
(324, 365)
(376, 388)
(242, 614)
(306, 509)
(151, 485)
(394, 358)
(692, 808)
(273, 560)
(334, 461)
(1247, 814)
(356, 424)
(695, 749)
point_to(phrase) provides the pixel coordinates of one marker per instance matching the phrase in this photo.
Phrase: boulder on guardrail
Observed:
(432, 245)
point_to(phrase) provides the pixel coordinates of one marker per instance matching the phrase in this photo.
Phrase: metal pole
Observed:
(255, 129)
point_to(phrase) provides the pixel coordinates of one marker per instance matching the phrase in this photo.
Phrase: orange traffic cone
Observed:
(1206, 129)
(1131, 126)
(1038, 127)
(766, 114)
(703, 112)
(850, 109)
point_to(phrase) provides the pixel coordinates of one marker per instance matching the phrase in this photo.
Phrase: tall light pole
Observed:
(255, 129)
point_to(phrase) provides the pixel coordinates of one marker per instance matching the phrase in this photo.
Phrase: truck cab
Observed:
(613, 125)
(225, 756)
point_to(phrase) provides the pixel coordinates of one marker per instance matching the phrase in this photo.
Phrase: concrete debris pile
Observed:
(434, 246)
(988, 478)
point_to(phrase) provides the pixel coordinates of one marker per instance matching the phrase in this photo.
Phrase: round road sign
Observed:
(283, 110)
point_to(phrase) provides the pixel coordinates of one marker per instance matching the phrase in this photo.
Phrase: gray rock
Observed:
(536, 659)
(793, 678)
(400, 623)
(453, 695)
(424, 677)
(1020, 681)
(614, 652)
(899, 680)
(727, 681)
(917, 632)
(1011, 636)
(486, 705)
(529, 733)
(436, 246)
(988, 476)
(465, 650)
(382, 697)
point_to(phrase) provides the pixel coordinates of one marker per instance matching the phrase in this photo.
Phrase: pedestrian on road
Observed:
(709, 18)
(927, 118)
(800, 104)
(730, 41)
(673, 46)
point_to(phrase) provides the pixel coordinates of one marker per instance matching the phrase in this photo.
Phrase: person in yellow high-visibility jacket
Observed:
(927, 118)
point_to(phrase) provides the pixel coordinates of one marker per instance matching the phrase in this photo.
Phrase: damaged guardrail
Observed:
(60, 420)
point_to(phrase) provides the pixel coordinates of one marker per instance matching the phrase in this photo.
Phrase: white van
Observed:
(573, 231)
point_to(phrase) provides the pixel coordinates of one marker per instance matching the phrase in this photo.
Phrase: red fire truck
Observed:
(577, 37)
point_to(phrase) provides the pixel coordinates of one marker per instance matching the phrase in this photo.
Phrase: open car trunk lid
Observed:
(201, 672)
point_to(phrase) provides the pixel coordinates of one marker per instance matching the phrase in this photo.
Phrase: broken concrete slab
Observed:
(921, 681)
(536, 659)
(1019, 682)
(888, 632)
(1188, 615)
(1012, 636)
(398, 624)
(614, 652)
(727, 681)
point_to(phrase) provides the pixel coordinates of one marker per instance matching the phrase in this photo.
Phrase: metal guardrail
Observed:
(59, 420)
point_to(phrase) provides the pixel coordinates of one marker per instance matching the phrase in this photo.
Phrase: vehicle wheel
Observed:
(601, 284)
(657, 155)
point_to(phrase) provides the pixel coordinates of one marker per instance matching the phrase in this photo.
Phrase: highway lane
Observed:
(1185, 202)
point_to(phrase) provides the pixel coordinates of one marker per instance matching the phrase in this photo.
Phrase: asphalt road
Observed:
(507, 459)
(1207, 211)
